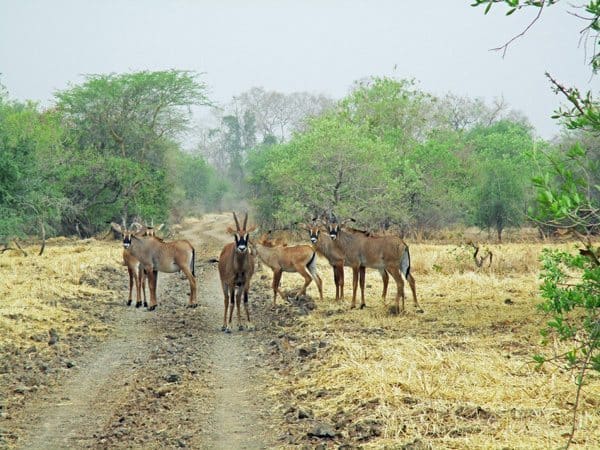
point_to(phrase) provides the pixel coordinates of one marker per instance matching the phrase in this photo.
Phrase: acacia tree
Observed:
(568, 198)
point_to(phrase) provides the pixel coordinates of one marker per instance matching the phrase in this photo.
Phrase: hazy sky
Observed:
(317, 46)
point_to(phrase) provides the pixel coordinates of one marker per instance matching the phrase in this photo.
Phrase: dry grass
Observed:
(458, 376)
(53, 291)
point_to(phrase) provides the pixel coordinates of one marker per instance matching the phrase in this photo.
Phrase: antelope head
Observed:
(134, 231)
(241, 234)
(334, 227)
(150, 230)
(314, 228)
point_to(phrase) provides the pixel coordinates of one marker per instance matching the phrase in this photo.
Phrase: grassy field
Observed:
(53, 291)
(458, 376)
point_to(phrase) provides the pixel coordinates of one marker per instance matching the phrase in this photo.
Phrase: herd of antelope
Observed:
(145, 254)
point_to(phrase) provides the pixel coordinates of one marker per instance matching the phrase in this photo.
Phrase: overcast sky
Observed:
(317, 46)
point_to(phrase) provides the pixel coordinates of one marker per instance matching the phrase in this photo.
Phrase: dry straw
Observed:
(459, 376)
(46, 292)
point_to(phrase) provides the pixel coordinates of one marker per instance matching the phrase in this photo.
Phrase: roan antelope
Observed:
(384, 253)
(236, 267)
(136, 272)
(296, 258)
(155, 255)
(332, 252)
(324, 245)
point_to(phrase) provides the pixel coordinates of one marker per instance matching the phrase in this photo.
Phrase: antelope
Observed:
(323, 244)
(155, 255)
(326, 246)
(298, 258)
(136, 272)
(385, 253)
(236, 267)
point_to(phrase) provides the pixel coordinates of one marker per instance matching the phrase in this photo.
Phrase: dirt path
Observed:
(236, 417)
(162, 380)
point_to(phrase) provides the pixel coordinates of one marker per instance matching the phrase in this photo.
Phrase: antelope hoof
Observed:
(420, 311)
(145, 304)
(363, 306)
(227, 330)
(240, 327)
(138, 304)
(152, 308)
(223, 328)
(128, 302)
(193, 305)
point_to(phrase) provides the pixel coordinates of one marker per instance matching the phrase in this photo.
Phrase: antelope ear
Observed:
(230, 230)
(116, 227)
(136, 225)
(252, 229)
(302, 226)
(158, 228)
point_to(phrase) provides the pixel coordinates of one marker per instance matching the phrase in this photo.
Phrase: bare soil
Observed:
(164, 379)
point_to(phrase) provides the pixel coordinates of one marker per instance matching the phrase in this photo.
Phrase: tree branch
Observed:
(504, 47)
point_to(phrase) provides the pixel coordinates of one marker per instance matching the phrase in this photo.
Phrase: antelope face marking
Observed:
(334, 230)
(241, 242)
(127, 240)
(314, 235)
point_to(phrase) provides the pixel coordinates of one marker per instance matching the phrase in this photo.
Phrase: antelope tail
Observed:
(192, 263)
(405, 262)
(312, 266)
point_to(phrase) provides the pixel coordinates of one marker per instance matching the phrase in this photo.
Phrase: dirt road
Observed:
(163, 379)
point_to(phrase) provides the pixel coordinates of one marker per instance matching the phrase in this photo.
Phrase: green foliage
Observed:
(503, 151)
(103, 189)
(130, 115)
(30, 150)
(197, 185)
(122, 129)
(102, 154)
(376, 158)
(441, 193)
(334, 165)
(568, 198)
(390, 110)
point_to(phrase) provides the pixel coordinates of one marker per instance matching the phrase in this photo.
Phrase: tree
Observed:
(441, 194)
(334, 165)
(502, 155)
(459, 113)
(568, 198)
(392, 110)
(120, 129)
(278, 115)
(130, 115)
(31, 200)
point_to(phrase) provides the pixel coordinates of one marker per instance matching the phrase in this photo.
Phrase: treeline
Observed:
(391, 154)
(388, 154)
(106, 150)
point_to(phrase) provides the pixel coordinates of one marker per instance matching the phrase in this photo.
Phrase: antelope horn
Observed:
(237, 224)
(245, 220)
